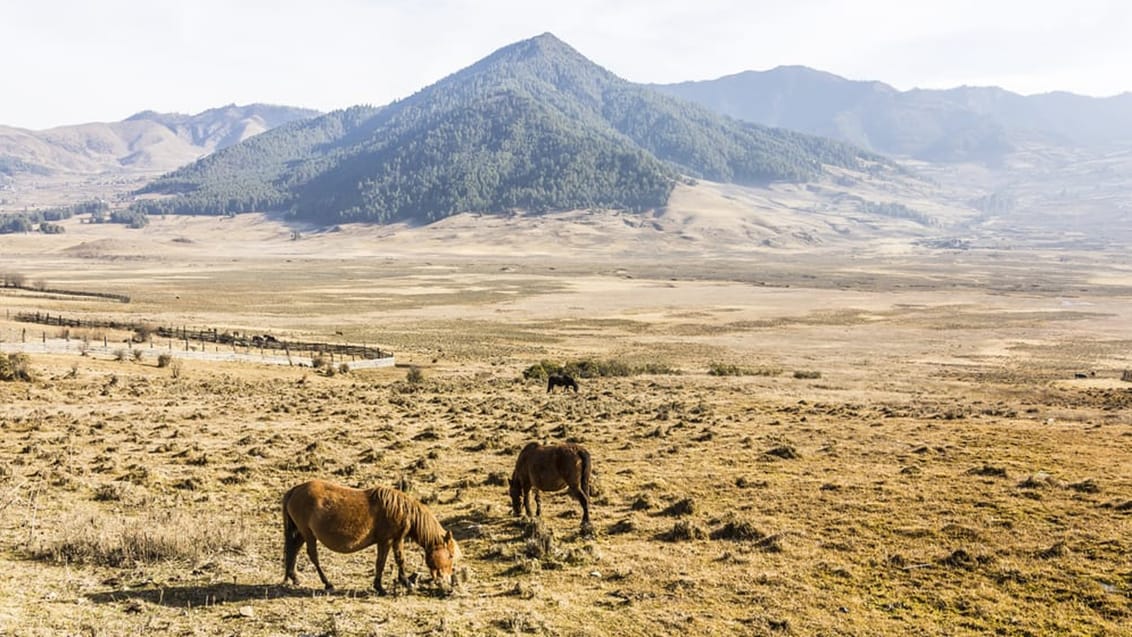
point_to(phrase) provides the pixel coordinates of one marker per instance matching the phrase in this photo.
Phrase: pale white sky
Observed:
(77, 61)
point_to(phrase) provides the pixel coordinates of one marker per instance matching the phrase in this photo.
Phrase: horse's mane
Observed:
(424, 528)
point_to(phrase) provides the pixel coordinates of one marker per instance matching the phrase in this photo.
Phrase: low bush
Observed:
(414, 376)
(594, 368)
(16, 366)
(728, 369)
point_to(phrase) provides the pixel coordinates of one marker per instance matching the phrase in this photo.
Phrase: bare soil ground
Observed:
(909, 450)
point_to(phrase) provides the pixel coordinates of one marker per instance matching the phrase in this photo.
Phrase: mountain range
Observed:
(981, 124)
(537, 127)
(146, 142)
(534, 126)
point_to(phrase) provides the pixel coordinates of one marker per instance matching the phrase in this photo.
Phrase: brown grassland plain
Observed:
(904, 449)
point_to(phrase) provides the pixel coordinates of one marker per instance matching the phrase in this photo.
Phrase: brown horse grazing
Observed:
(565, 381)
(551, 468)
(348, 520)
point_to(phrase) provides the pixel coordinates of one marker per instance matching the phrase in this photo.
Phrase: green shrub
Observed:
(724, 369)
(657, 368)
(163, 360)
(807, 374)
(542, 369)
(727, 369)
(592, 368)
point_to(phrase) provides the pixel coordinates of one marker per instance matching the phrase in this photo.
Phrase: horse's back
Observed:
(338, 516)
(568, 457)
(315, 494)
(551, 467)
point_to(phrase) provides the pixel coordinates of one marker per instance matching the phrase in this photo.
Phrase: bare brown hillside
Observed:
(147, 142)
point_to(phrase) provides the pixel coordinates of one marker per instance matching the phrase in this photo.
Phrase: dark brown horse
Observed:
(348, 520)
(565, 381)
(551, 468)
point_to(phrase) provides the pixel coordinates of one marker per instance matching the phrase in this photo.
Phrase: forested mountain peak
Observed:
(534, 126)
(534, 53)
(543, 68)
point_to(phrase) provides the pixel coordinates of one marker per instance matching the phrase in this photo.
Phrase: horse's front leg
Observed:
(400, 558)
(382, 555)
(527, 501)
(538, 504)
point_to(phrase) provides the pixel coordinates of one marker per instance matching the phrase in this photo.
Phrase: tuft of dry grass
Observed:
(15, 366)
(93, 538)
(684, 531)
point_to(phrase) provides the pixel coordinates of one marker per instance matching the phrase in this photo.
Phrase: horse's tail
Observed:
(586, 466)
(290, 529)
(292, 540)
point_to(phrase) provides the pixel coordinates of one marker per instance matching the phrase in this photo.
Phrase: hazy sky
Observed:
(76, 61)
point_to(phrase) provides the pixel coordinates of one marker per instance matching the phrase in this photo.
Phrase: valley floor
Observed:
(905, 447)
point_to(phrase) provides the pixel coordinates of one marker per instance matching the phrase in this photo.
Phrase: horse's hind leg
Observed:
(584, 500)
(292, 542)
(312, 553)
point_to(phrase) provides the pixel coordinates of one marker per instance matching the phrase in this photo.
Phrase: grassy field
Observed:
(890, 444)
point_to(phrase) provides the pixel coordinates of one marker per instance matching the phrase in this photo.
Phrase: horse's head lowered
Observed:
(443, 561)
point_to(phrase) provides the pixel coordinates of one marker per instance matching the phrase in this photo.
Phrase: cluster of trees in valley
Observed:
(44, 220)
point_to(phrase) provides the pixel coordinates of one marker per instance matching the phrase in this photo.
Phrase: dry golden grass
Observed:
(920, 461)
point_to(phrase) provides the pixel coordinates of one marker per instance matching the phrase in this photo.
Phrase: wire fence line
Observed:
(208, 343)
